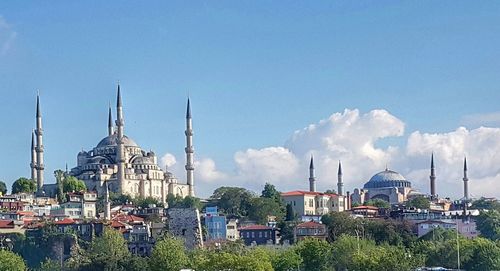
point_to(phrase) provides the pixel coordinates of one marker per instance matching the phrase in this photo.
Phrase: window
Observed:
(253, 234)
(260, 234)
(311, 203)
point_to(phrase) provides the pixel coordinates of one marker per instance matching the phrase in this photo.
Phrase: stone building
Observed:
(387, 185)
(120, 163)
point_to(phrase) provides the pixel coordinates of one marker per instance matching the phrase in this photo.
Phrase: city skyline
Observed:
(372, 95)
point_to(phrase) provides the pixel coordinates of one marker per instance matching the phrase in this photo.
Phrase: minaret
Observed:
(433, 178)
(110, 122)
(189, 150)
(33, 164)
(340, 184)
(312, 178)
(107, 209)
(39, 146)
(120, 175)
(466, 181)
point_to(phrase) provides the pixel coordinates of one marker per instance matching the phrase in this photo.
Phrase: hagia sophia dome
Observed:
(387, 178)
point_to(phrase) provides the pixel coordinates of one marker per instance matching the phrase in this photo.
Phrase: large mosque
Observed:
(119, 163)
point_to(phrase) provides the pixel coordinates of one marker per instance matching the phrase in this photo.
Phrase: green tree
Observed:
(72, 184)
(261, 208)
(23, 185)
(108, 252)
(136, 263)
(290, 214)
(270, 192)
(49, 265)
(379, 203)
(233, 200)
(419, 202)
(59, 175)
(316, 254)
(486, 204)
(3, 188)
(330, 191)
(286, 259)
(488, 224)
(120, 199)
(10, 261)
(168, 255)
(147, 201)
(191, 202)
(485, 256)
(339, 223)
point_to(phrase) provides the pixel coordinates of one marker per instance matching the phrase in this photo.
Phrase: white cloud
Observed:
(7, 36)
(355, 139)
(482, 147)
(206, 170)
(168, 160)
(272, 164)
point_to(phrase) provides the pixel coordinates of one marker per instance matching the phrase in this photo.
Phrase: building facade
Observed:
(387, 185)
(119, 162)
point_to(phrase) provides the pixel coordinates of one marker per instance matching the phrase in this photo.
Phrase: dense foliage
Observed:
(72, 184)
(23, 185)
(3, 188)
(10, 261)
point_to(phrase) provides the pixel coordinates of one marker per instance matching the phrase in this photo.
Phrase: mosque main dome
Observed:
(112, 140)
(387, 178)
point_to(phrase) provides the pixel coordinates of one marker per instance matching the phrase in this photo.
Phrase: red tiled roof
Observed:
(255, 227)
(65, 221)
(128, 218)
(118, 224)
(302, 193)
(6, 224)
(27, 213)
(364, 207)
(310, 224)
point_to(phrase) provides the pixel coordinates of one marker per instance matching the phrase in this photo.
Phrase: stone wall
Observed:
(185, 224)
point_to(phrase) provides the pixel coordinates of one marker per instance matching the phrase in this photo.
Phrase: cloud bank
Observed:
(360, 142)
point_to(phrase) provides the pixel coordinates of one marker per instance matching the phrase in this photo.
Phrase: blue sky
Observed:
(255, 71)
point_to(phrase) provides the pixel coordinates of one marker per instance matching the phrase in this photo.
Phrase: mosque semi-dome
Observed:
(387, 178)
(112, 140)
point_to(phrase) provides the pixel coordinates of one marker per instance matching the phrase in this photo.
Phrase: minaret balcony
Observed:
(189, 149)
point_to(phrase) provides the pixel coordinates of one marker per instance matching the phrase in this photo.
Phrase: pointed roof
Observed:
(340, 168)
(432, 160)
(465, 163)
(38, 112)
(110, 117)
(311, 165)
(118, 97)
(188, 110)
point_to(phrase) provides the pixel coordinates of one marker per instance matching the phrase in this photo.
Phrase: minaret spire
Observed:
(432, 178)
(39, 146)
(120, 175)
(466, 181)
(340, 183)
(33, 164)
(110, 122)
(189, 150)
(312, 178)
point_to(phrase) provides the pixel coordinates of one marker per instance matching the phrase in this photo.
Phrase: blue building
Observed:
(215, 224)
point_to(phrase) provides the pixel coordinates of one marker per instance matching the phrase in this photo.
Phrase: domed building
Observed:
(387, 185)
(119, 162)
